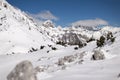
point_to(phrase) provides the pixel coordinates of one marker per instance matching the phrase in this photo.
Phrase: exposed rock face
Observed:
(73, 39)
(23, 71)
(98, 55)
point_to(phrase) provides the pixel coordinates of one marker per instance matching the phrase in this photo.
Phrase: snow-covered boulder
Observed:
(98, 55)
(23, 71)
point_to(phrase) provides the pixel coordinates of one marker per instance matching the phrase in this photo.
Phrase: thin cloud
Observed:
(90, 22)
(44, 15)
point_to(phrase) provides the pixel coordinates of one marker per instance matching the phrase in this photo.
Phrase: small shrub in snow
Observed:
(50, 45)
(113, 39)
(13, 52)
(33, 49)
(82, 45)
(5, 5)
(54, 48)
(101, 42)
(42, 47)
(105, 39)
(29, 28)
(48, 51)
(60, 43)
(76, 48)
(110, 37)
(30, 51)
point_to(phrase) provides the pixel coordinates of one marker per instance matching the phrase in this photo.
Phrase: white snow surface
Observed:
(107, 69)
(18, 34)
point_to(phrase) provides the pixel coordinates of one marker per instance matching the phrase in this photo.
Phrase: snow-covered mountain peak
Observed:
(48, 23)
(19, 33)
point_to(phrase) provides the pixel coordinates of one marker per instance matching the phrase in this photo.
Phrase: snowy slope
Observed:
(80, 68)
(107, 69)
(18, 31)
